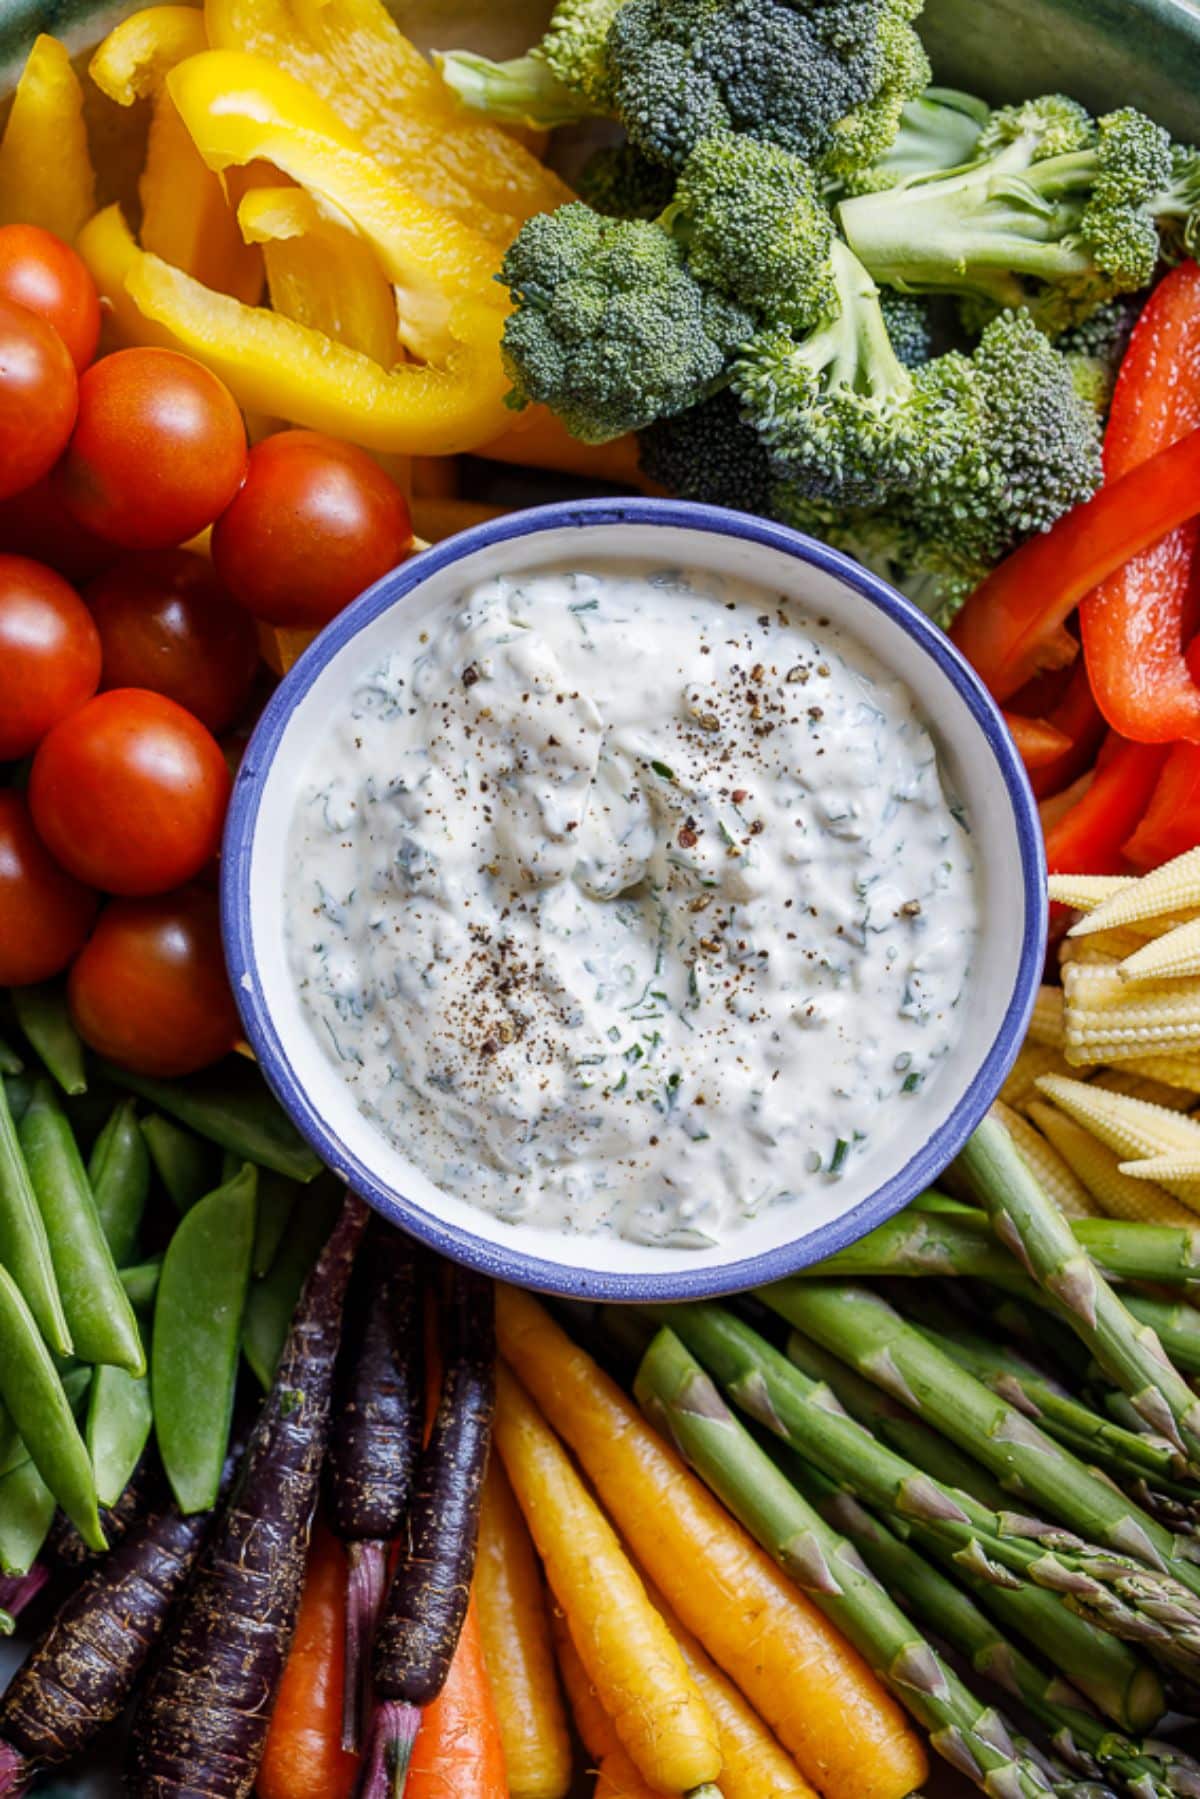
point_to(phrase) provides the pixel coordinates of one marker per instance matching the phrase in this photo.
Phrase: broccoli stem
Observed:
(523, 91)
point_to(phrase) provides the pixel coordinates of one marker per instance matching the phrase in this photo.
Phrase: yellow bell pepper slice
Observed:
(240, 109)
(46, 175)
(320, 272)
(276, 366)
(187, 218)
(354, 55)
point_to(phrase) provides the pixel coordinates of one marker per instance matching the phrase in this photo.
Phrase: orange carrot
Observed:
(849, 1737)
(304, 1758)
(457, 1754)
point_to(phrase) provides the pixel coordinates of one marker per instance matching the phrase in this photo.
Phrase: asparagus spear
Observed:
(1031, 1226)
(679, 1397)
(1116, 1680)
(1141, 1604)
(1153, 1770)
(921, 1243)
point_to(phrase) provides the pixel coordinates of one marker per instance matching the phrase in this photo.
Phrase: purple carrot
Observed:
(145, 1492)
(375, 1440)
(427, 1601)
(81, 1672)
(202, 1724)
(19, 1590)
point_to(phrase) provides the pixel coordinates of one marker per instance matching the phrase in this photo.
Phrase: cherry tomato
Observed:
(166, 623)
(158, 451)
(314, 523)
(149, 989)
(36, 523)
(49, 653)
(44, 915)
(41, 272)
(129, 793)
(39, 394)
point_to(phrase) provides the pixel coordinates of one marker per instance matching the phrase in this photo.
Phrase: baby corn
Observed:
(1054, 1175)
(1116, 1194)
(1106, 1023)
(1133, 1127)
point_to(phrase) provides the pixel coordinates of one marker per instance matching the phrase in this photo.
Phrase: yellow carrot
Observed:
(848, 1735)
(631, 1657)
(756, 1767)
(616, 1773)
(517, 1648)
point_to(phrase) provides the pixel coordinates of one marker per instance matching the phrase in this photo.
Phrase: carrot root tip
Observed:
(366, 1583)
(393, 1731)
(15, 1773)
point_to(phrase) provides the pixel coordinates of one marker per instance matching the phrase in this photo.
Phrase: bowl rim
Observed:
(512, 1263)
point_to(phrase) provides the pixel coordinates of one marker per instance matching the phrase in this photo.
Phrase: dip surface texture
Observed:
(631, 900)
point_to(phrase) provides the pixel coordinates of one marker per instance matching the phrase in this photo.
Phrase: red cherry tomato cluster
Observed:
(124, 653)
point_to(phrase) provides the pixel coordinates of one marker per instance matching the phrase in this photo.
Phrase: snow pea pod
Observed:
(75, 1384)
(26, 1514)
(197, 1329)
(36, 1401)
(276, 1198)
(18, 1091)
(43, 1016)
(100, 1317)
(118, 1428)
(119, 1176)
(232, 1107)
(273, 1299)
(141, 1282)
(24, 1245)
(185, 1164)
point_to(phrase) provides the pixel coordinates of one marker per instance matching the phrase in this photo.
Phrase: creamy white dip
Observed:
(631, 900)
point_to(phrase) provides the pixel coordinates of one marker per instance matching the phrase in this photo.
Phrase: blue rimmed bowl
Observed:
(981, 766)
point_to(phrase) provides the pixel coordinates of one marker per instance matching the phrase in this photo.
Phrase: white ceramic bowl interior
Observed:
(979, 764)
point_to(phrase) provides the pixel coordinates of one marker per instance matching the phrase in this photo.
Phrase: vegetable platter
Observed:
(286, 1506)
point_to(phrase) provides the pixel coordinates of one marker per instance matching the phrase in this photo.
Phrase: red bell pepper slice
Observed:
(1077, 716)
(1012, 625)
(1089, 839)
(1172, 820)
(1133, 625)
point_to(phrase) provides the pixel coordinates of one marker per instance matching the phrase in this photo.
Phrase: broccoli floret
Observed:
(825, 79)
(940, 129)
(887, 544)
(1028, 448)
(709, 453)
(1094, 348)
(611, 328)
(1056, 214)
(1177, 207)
(909, 326)
(620, 182)
(843, 421)
(754, 226)
(563, 78)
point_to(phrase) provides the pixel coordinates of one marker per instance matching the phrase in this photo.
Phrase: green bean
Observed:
(43, 1016)
(10, 1061)
(75, 1384)
(26, 1514)
(231, 1105)
(186, 1165)
(141, 1283)
(276, 1198)
(24, 1246)
(197, 1328)
(100, 1317)
(273, 1299)
(118, 1426)
(119, 1176)
(33, 1393)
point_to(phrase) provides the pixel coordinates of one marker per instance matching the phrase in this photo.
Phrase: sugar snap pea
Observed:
(141, 1282)
(185, 1164)
(26, 1514)
(273, 1299)
(119, 1176)
(118, 1427)
(231, 1106)
(24, 1246)
(18, 1091)
(75, 1384)
(36, 1401)
(99, 1315)
(276, 1198)
(43, 1017)
(197, 1329)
